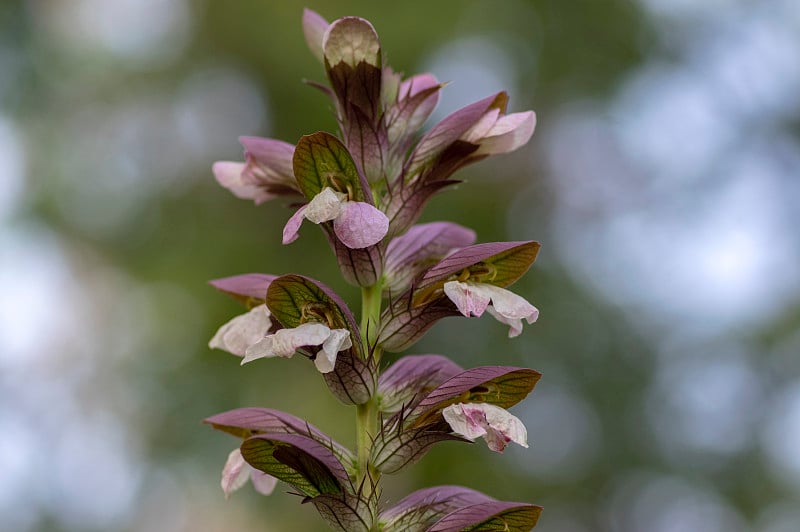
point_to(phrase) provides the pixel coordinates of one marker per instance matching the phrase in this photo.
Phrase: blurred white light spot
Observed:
(667, 504)
(95, 477)
(779, 517)
(215, 107)
(730, 261)
(12, 168)
(753, 66)
(704, 404)
(670, 122)
(17, 462)
(476, 67)
(683, 9)
(33, 274)
(146, 31)
(781, 439)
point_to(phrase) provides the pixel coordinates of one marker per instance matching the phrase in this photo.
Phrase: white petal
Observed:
(235, 473)
(509, 308)
(506, 424)
(285, 342)
(338, 340)
(462, 422)
(262, 482)
(496, 425)
(470, 298)
(242, 331)
(325, 206)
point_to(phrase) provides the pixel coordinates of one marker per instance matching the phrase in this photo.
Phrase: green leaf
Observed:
(293, 300)
(302, 462)
(321, 160)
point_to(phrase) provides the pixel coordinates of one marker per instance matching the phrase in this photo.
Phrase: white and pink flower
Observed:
(472, 299)
(481, 420)
(237, 472)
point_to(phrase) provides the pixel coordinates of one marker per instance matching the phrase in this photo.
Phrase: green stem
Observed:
(370, 313)
(367, 415)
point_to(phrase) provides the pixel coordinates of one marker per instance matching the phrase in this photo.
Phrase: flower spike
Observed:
(366, 187)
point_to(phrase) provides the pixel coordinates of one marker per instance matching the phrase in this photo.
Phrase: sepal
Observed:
(408, 435)
(397, 447)
(246, 422)
(497, 263)
(492, 515)
(321, 160)
(307, 465)
(403, 203)
(420, 248)
(403, 324)
(294, 300)
(345, 513)
(411, 378)
(448, 131)
(502, 386)
(422, 508)
(352, 54)
(248, 288)
(328, 177)
(359, 267)
(314, 28)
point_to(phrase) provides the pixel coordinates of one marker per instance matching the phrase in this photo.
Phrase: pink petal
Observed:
(416, 84)
(422, 245)
(292, 228)
(229, 175)
(314, 27)
(360, 225)
(235, 473)
(481, 128)
(469, 298)
(262, 482)
(509, 133)
(232, 176)
(269, 160)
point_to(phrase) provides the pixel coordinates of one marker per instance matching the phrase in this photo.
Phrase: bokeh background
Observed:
(663, 181)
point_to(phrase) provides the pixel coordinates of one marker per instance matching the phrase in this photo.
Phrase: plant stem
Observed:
(367, 414)
(370, 314)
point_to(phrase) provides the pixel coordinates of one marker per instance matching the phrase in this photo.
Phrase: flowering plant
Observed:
(366, 189)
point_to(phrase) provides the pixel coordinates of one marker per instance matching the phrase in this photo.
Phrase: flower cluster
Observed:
(366, 188)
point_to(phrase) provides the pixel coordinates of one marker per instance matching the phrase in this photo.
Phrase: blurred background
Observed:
(663, 182)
